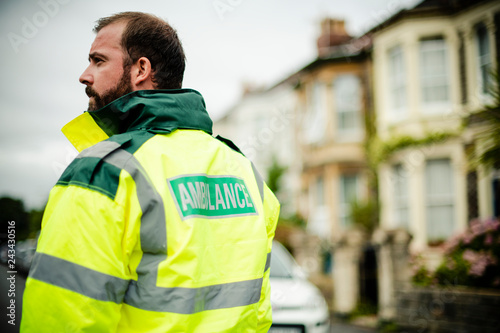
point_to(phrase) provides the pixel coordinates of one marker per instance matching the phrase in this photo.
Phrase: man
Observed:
(156, 226)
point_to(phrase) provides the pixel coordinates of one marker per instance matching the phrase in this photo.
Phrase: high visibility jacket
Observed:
(156, 226)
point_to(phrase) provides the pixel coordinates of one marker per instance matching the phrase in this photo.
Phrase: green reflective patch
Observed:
(92, 173)
(211, 196)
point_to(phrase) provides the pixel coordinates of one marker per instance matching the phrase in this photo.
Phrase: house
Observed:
(389, 116)
(432, 66)
(334, 101)
(334, 116)
(431, 70)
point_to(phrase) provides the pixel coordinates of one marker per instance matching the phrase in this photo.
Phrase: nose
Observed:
(86, 78)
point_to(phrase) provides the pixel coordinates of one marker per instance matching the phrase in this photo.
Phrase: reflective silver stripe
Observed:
(100, 150)
(153, 228)
(260, 181)
(80, 279)
(268, 262)
(153, 232)
(193, 300)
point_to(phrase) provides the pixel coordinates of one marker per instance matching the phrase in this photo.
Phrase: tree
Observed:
(35, 221)
(489, 137)
(274, 174)
(13, 210)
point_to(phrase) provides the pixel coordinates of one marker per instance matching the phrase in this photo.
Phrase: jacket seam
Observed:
(88, 186)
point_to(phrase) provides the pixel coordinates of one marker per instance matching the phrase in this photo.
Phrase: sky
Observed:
(44, 47)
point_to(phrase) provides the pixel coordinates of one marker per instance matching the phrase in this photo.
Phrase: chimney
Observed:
(332, 34)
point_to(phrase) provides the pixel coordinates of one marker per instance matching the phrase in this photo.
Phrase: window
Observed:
(433, 71)
(318, 219)
(439, 194)
(397, 81)
(484, 58)
(400, 198)
(348, 195)
(348, 104)
(320, 192)
(314, 124)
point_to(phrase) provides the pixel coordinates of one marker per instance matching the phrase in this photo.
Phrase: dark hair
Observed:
(146, 35)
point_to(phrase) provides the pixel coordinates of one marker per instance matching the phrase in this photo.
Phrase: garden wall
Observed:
(448, 309)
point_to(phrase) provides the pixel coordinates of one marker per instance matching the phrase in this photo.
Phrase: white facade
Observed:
(420, 92)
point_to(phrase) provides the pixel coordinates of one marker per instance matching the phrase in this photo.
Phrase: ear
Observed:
(142, 73)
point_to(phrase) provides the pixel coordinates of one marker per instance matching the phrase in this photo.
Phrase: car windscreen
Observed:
(281, 262)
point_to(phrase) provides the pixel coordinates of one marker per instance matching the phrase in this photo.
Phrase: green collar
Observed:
(157, 111)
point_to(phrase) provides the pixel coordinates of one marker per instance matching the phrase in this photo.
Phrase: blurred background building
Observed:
(380, 144)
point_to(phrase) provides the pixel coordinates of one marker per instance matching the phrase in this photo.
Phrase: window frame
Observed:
(345, 217)
(345, 133)
(401, 196)
(445, 199)
(483, 60)
(397, 82)
(428, 77)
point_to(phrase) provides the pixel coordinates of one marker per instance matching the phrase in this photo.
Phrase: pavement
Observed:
(349, 328)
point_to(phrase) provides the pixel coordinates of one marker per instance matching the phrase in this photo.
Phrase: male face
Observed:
(105, 77)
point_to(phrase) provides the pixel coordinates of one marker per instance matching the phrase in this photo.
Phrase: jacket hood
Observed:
(157, 111)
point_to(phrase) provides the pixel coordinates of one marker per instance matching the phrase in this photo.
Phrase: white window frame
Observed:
(430, 78)
(345, 203)
(314, 124)
(318, 221)
(401, 196)
(397, 83)
(319, 185)
(347, 104)
(483, 60)
(442, 199)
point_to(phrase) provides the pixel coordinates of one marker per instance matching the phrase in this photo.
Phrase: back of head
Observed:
(146, 35)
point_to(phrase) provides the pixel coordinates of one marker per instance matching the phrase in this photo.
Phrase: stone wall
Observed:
(448, 309)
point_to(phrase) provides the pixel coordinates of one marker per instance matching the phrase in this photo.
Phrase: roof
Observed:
(356, 50)
(429, 8)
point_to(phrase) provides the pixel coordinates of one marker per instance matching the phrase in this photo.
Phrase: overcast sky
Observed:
(44, 48)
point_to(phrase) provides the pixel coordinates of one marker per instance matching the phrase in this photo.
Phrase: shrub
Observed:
(471, 258)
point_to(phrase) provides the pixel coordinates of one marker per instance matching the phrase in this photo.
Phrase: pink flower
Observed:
(470, 256)
(476, 227)
(488, 240)
(468, 238)
(452, 243)
(492, 225)
(477, 269)
(478, 261)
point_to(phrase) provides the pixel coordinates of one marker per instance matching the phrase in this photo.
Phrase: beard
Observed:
(99, 101)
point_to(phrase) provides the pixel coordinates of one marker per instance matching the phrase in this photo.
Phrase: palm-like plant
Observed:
(489, 136)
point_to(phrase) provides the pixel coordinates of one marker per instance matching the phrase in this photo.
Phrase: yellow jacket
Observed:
(156, 226)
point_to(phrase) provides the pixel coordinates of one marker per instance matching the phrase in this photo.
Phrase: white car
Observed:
(298, 306)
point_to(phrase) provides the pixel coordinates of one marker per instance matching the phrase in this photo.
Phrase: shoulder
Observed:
(98, 168)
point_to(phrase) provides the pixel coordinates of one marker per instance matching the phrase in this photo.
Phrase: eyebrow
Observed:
(94, 55)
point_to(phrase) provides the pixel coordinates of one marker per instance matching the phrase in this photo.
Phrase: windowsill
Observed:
(436, 243)
(349, 137)
(397, 115)
(431, 109)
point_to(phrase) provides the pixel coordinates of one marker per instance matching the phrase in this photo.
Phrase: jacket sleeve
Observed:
(80, 272)
(271, 211)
